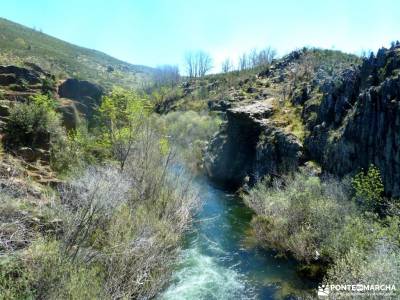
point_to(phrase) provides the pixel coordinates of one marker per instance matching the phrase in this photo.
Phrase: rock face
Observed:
(359, 121)
(351, 120)
(87, 94)
(249, 148)
(15, 75)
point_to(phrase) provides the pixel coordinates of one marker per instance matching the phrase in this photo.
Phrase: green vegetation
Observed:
(114, 226)
(288, 117)
(189, 132)
(317, 222)
(33, 124)
(20, 44)
(369, 188)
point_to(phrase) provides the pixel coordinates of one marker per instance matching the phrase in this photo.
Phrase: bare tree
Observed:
(256, 58)
(253, 58)
(243, 62)
(227, 65)
(265, 56)
(166, 75)
(198, 63)
(204, 63)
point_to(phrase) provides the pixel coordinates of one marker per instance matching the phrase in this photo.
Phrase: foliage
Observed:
(121, 227)
(189, 132)
(368, 187)
(44, 101)
(301, 215)
(378, 265)
(316, 221)
(133, 219)
(79, 150)
(14, 279)
(32, 124)
(289, 117)
(124, 113)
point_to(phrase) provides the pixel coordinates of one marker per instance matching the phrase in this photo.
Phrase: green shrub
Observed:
(42, 272)
(377, 265)
(33, 124)
(368, 187)
(300, 215)
(28, 125)
(15, 280)
(189, 132)
(318, 223)
(78, 150)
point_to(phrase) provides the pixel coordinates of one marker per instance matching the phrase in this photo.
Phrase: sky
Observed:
(155, 32)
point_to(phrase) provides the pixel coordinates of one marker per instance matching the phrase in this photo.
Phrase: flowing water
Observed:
(219, 261)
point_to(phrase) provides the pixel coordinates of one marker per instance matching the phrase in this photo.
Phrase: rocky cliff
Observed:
(249, 147)
(358, 121)
(350, 113)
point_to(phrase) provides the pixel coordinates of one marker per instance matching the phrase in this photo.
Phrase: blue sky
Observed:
(153, 32)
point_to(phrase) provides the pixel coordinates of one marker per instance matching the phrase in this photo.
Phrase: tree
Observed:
(227, 66)
(266, 56)
(204, 62)
(256, 58)
(253, 58)
(243, 62)
(166, 75)
(124, 113)
(197, 63)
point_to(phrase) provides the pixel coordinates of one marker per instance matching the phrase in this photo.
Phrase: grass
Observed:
(21, 44)
(288, 117)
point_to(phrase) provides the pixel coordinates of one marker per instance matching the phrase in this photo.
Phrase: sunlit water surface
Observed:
(220, 261)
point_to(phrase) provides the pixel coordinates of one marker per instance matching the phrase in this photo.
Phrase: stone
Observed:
(359, 121)
(221, 105)
(84, 92)
(27, 154)
(21, 74)
(249, 148)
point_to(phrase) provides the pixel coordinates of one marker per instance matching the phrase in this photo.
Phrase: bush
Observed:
(54, 277)
(41, 272)
(378, 265)
(300, 215)
(189, 132)
(79, 150)
(29, 125)
(129, 221)
(36, 125)
(15, 280)
(121, 226)
(369, 188)
(316, 221)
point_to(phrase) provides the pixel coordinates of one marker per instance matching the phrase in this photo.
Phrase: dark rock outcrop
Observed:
(18, 75)
(221, 105)
(351, 117)
(249, 147)
(359, 121)
(84, 92)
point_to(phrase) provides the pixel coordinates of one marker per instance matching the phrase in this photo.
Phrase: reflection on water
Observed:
(220, 261)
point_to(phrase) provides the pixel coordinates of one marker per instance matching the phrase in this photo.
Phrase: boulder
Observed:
(84, 92)
(19, 74)
(221, 105)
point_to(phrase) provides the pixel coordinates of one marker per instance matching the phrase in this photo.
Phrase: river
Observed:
(220, 261)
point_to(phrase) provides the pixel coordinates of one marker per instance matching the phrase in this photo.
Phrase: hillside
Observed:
(342, 116)
(20, 44)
